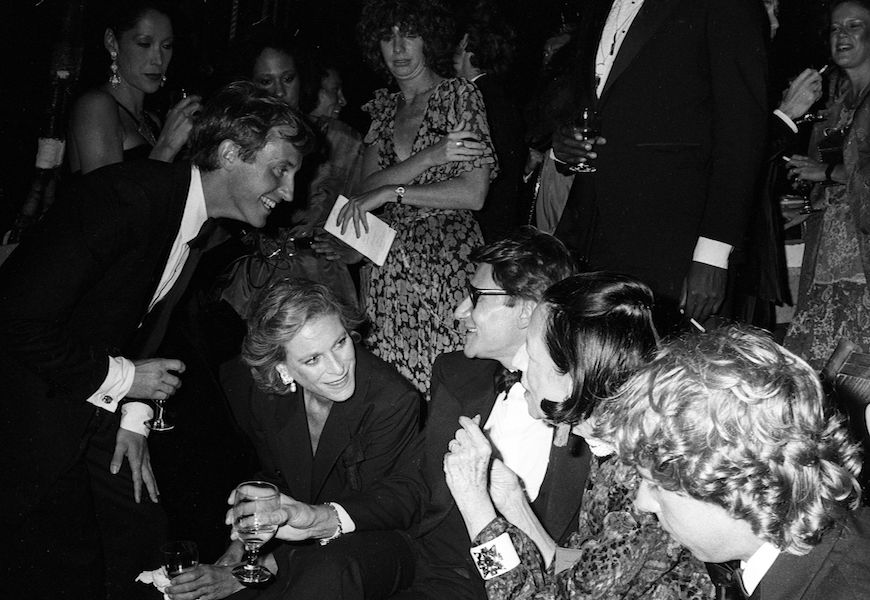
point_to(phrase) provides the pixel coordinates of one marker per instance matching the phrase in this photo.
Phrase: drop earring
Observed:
(287, 380)
(162, 80)
(114, 78)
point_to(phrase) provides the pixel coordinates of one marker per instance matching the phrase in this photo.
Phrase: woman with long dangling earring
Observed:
(109, 123)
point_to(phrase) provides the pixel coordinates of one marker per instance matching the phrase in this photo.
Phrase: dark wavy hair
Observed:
(490, 37)
(527, 263)
(732, 418)
(279, 312)
(599, 330)
(244, 114)
(125, 14)
(430, 19)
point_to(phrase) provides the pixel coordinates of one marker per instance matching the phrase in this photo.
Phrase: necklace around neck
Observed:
(142, 124)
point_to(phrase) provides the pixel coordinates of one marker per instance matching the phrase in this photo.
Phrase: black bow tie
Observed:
(728, 579)
(505, 380)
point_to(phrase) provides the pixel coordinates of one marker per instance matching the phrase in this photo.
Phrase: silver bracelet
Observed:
(338, 531)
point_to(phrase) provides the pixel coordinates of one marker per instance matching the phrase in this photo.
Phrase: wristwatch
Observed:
(400, 194)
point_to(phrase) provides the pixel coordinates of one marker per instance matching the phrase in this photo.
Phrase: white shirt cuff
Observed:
(495, 557)
(135, 417)
(786, 119)
(116, 385)
(712, 252)
(347, 524)
(553, 157)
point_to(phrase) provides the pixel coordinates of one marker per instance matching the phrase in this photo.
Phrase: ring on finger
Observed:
(460, 143)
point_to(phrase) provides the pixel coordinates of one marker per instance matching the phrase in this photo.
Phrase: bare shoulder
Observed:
(95, 105)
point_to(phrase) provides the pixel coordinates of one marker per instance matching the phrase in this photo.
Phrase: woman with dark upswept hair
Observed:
(427, 165)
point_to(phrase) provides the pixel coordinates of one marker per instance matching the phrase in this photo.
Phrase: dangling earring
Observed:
(162, 80)
(114, 78)
(287, 380)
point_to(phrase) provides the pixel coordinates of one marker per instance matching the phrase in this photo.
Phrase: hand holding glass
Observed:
(586, 126)
(179, 557)
(254, 500)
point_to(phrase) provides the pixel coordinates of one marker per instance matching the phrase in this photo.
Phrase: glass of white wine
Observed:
(254, 500)
(179, 557)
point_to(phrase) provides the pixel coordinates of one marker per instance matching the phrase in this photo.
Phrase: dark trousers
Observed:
(434, 580)
(367, 565)
(87, 538)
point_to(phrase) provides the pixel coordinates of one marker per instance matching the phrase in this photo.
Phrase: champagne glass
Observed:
(159, 422)
(179, 557)
(253, 501)
(586, 125)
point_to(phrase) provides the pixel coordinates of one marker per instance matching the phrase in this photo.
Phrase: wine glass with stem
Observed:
(179, 557)
(159, 422)
(254, 500)
(586, 125)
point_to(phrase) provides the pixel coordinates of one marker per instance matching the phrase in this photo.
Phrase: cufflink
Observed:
(107, 399)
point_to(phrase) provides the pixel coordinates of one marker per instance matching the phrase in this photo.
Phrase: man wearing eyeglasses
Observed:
(511, 277)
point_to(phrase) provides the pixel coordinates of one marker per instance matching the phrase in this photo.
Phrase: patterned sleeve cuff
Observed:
(495, 557)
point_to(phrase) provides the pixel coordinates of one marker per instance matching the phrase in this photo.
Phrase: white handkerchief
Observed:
(374, 244)
(157, 577)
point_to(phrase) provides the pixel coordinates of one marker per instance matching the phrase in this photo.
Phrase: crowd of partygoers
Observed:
(588, 365)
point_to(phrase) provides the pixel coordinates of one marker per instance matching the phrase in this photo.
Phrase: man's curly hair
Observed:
(430, 19)
(734, 419)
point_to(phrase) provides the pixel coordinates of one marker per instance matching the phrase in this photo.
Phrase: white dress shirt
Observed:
(758, 565)
(521, 441)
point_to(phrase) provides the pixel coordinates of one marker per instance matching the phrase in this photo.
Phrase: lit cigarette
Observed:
(823, 69)
(698, 325)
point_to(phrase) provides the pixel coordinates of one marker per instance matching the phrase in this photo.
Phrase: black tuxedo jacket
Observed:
(465, 386)
(368, 456)
(71, 295)
(836, 569)
(684, 112)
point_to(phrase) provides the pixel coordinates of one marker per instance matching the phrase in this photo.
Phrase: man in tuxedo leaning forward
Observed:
(83, 303)
(511, 277)
(742, 459)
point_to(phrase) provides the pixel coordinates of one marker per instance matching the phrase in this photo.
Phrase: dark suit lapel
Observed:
(294, 445)
(564, 484)
(646, 23)
(790, 576)
(346, 419)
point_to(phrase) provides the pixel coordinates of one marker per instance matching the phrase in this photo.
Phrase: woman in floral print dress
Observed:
(427, 163)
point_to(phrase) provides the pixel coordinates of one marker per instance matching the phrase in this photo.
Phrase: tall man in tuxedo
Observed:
(681, 92)
(84, 302)
(743, 459)
(511, 277)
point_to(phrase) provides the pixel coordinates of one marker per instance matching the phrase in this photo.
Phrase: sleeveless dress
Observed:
(411, 298)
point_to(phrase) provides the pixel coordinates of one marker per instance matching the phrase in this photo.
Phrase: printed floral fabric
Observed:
(624, 553)
(834, 301)
(411, 298)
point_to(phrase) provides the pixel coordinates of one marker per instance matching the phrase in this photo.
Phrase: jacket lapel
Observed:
(564, 484)
(346, 419)
(294, 446)
(648, 20)
(789, 576)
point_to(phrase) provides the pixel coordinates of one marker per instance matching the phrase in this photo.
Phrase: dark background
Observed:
(30, 28)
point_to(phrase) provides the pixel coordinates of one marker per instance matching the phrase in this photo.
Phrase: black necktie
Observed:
(505, 379)
(157, 321)
(728, 579)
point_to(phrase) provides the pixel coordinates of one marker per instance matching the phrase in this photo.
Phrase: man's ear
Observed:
(228, 153)
(525, 317)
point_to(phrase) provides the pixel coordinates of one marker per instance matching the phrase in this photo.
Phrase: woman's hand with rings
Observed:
(178, 125)
(357, 207)
(458, 145)
(804, 168)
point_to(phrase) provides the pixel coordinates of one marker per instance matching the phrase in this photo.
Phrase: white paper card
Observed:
(374, 244)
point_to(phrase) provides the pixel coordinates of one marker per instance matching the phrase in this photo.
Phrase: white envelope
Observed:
(374, 244)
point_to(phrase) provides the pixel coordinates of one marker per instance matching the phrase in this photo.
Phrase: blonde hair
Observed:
(734, 419)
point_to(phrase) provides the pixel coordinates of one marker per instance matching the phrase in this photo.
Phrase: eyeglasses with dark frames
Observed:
(474, 293)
